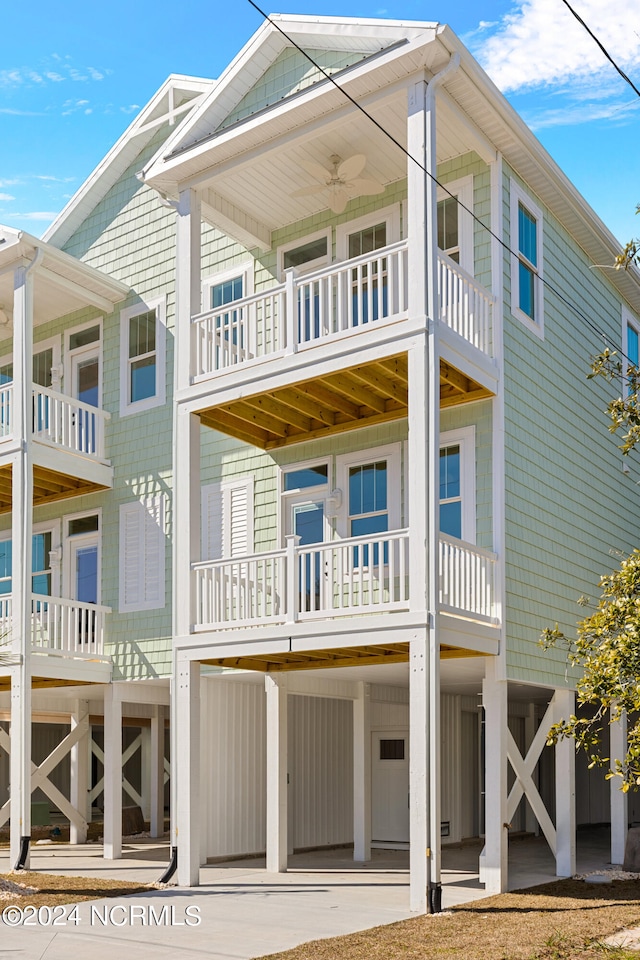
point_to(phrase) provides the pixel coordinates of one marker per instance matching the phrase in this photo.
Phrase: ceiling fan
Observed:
(342, 183)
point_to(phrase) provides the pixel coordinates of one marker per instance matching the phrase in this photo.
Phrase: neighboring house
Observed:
(356, 403)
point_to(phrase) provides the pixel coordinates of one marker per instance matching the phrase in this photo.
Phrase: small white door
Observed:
(390, 787)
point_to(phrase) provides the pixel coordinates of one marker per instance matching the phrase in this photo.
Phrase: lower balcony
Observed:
(353, 577)
(68, 629)
(68, 445)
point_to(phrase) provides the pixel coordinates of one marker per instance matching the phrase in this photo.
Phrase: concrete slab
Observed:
(245, 912)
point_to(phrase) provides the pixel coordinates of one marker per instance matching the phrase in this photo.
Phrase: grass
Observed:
(566, 920)
(53, 890)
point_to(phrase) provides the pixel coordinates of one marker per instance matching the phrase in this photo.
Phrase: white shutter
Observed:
(142, 554)
(227, 519)
(211, 547)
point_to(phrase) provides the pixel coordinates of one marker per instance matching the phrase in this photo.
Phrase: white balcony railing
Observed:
(68, 628)
(467, 579)
(58, 420)
(69, 423)
(341, 578)
(341, 300)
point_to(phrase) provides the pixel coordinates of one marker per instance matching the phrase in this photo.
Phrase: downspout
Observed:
(434, 886)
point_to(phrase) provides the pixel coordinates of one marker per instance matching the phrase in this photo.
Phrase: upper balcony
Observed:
(323, 352)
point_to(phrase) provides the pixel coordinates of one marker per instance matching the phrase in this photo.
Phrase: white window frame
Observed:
(47, 526)
(628, 320)
(462, 189)
(316, 264)
(141, 605)
(392, 453)
(465, 438)
(389, 215)
(518, 196)
(89, 348)
(244, 269)
(51, 343)
(300, 495)
(159, 304)
(67, 572)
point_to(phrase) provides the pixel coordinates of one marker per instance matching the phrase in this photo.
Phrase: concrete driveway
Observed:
(240, 911)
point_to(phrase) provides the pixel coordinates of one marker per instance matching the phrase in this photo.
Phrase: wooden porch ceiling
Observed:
(48, 486)
(41, 683)
(359, 396)
(366, 656)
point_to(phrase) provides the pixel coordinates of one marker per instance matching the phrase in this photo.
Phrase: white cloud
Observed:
(540, 43)
(130, 108)
(8, 183)
(54, 69)
(6, 196)
(34, 215)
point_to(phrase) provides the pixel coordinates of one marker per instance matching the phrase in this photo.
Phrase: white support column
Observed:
(79, 793)
(619, 800)
(21, 533)
(145, 771)
(112, 773)
(531, 823)
(565, 791)
(277, 741)
(188, 281)
(185, 768)
(419, 829)
(156, 773)
(362, 774)
(494, 700)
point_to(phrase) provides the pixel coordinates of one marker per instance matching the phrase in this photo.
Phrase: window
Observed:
(631, 346)
(84, 353)
(371, 485)
(142, 356)
(457, 484)
(42, 548)
(526, 240)
(82, 558)
(455, 226)
(142, 554)
(310, 254)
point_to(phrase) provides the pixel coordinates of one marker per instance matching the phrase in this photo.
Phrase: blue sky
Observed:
(75, 74)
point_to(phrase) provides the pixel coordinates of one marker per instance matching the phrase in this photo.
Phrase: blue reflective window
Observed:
(142, 356)
(226, 292)
(306, 477)
(450, 492)
(632, 345)
(528, 248)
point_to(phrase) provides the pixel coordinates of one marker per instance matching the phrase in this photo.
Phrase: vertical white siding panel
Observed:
(321, 771)
(470, 757)
(233, 768)
(452, 776)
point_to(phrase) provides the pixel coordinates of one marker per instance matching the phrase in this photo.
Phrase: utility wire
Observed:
(603, 48)
(592, 326)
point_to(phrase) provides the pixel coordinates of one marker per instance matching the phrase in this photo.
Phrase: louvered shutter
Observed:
(227, 519)
(142, 554)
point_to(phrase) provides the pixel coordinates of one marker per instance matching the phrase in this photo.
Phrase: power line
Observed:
(603, 48)
(592, 326)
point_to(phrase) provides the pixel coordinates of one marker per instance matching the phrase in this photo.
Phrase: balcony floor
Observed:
(357, 396)
(48, 486)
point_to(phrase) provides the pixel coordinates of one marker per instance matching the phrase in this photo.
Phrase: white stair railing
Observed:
(467, 579)
(465, 306)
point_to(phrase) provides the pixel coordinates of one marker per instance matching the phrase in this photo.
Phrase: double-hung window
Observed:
(142, 358)
(230, 334)
(526, 274)
(457, 484)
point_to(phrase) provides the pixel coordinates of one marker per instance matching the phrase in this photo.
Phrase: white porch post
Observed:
(531, 823)
(112, 773)
(362, 773)
(418, 496)
(188, 281)
(494, 701)
(277, 739)
(79, 794)
(156, 773)
(185, 769)
(565, 792)
(619, 800)
(21, 532)
(145, 771)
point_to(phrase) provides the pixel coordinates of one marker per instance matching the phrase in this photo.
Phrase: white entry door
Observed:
(390, 787)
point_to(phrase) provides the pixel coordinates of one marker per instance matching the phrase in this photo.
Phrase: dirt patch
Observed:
(46, 889)
(567, 920)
